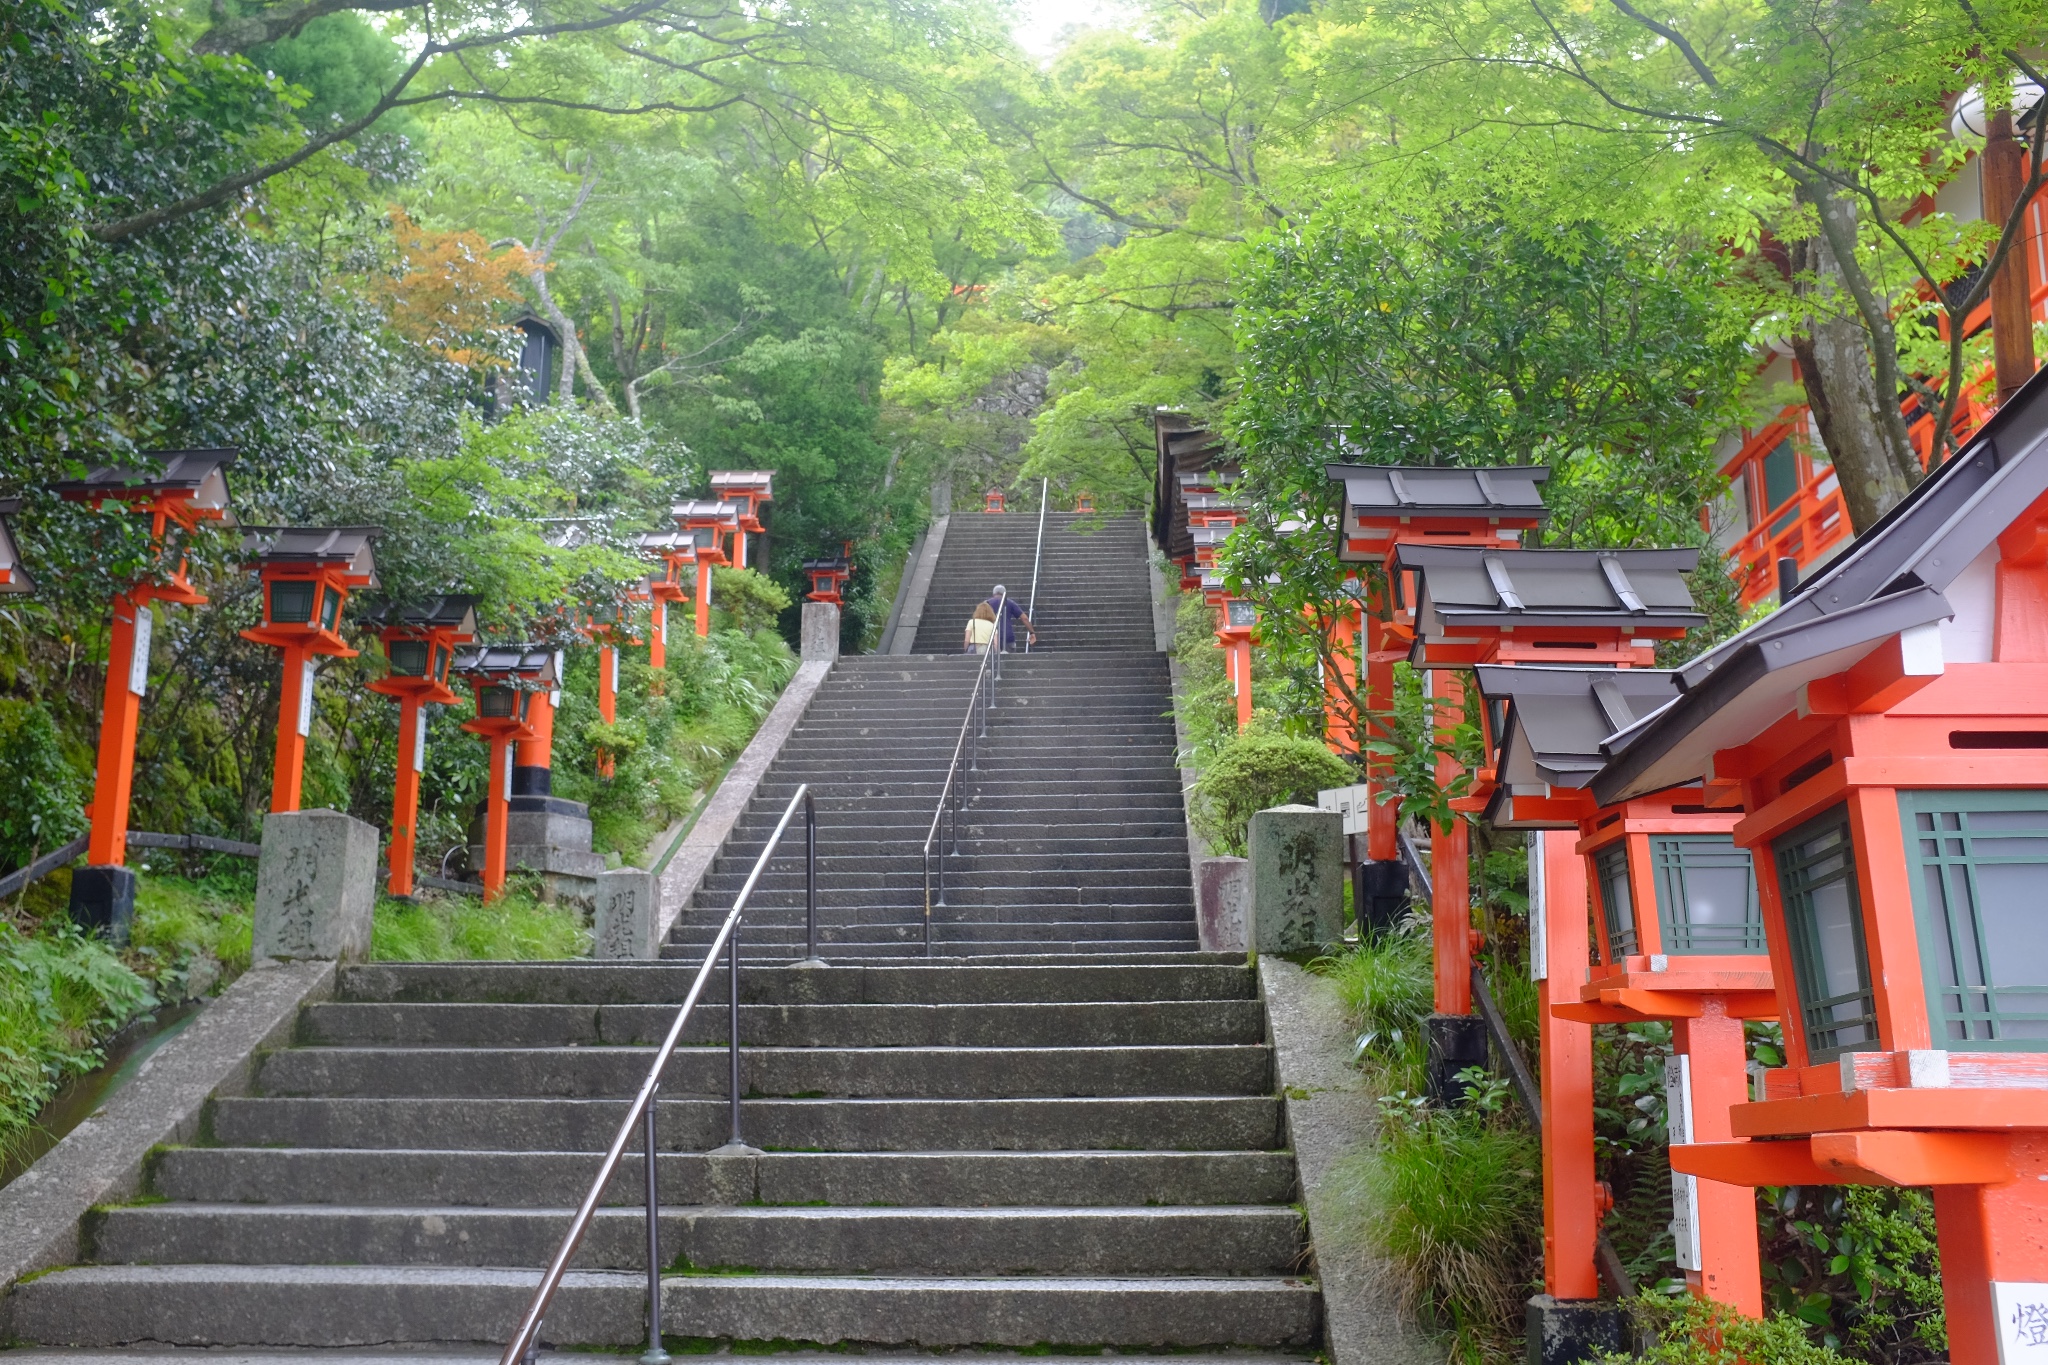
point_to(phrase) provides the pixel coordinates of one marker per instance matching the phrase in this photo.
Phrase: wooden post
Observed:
(1729, 1270)
(607, 699)
(405, 795)
(1449, 853)
(1241, 677)
(703, 596)
(534, 760)
(2002, 175)
(1571, 1195)
(127, 678)
(657, 634)
(497, 812)
(294, 722)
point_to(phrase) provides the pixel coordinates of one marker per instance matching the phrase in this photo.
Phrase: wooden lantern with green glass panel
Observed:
(1666, 902)
(1886, 733)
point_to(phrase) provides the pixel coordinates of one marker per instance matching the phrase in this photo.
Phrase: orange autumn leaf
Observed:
(451, 291)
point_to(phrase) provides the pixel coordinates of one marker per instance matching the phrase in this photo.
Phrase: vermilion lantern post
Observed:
(419, 646)
(676, 551)
(994, 501)
(191, 487)
(1675, 936)
(707, 524)
(827, 577)
(1084, 502)
(513, 713)
(307, 573)
(751, 490)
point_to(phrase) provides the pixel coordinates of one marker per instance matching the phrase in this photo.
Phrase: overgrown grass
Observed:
(518, 927)
(61, 995)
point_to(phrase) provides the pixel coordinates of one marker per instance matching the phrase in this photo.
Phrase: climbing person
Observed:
(981, 628)
(1010, 615)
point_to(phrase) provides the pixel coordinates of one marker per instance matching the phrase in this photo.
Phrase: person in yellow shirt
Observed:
(981, 629)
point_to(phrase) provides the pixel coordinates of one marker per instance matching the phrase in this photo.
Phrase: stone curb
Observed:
(1164, 610)
(101, 1160)
(919, 576)
(1330, 1116)
(687, 869)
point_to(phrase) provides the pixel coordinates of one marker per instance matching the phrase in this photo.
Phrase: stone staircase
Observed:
(992, 1155)
(1074, 839)
(1093, 593)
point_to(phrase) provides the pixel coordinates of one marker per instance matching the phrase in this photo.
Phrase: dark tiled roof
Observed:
(1893, 579)
(537, 660)
(346, 545)
(1476, 586)
(456, 612)
(1430, 490)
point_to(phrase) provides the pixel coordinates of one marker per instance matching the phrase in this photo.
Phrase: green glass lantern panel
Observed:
(1706, 895)
(1824, 920)
(498, 703)
(408, 657)
(1617, 906)
(330, 608)
(291, 602)
(1980, 862)
(440, 664)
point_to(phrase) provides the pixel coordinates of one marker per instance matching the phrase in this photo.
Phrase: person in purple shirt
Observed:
(1010, 615)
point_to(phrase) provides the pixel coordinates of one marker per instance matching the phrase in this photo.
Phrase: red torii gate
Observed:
(419, 646)
(190, 488)
(307, 572)
(1887, 732)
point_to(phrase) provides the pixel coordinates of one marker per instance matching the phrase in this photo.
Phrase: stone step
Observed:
(500, 1179)
(1141, 1123)
(919, 1072)
(1216, 1240)
(942, 948)
(328, 1306)
(1005, 1024)
(1202, 977)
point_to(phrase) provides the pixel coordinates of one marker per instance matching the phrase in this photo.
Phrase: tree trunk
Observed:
(1859, 425)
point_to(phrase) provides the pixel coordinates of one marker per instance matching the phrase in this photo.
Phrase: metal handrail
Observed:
(642, 1108)
(979, 701)
(1031, 606)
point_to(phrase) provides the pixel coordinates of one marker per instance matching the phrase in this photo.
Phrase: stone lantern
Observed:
(419, 648)
(307, 573)
(190, 487)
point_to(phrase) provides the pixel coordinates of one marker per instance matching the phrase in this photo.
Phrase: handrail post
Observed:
(1038, 554)
(927, 900)
(733, 1034)
(811, 956)
(653, 1355)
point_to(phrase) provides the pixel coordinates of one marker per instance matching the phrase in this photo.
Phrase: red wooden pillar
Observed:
(1712, 1067)
(497, 811)
(2003, 172)
(1449, 870)
(121, 704)
(419, 645)
(1383, 823)
(657, 633)
(405, 793)
(1572, 1197)
(704, 563)
(294, 723)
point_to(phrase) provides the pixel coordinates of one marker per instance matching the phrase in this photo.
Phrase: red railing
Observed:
(1802, 528)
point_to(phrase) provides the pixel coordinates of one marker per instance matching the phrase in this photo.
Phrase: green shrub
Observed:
(1689, 1331)
(1453, 1199)
(1253, 771)
(753, 601)
(42, 797)
(61, 995)
(518, 927)
(1387, 986)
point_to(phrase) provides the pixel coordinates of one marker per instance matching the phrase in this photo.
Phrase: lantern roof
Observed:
(455, 613)
(1506, 491)
(725, 514)
(13, 578)
(1210, 535)
(199, 473)
(758, 482)
(1556, 718)
(834, 564)
(346, 548)
(1476, 586)
(531, 662)
(1893, 581)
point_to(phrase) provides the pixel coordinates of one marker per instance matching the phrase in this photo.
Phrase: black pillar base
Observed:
(532, 780)
(1456, 1041)
(103, 901)
(1568, 1331)
(1379, 894)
